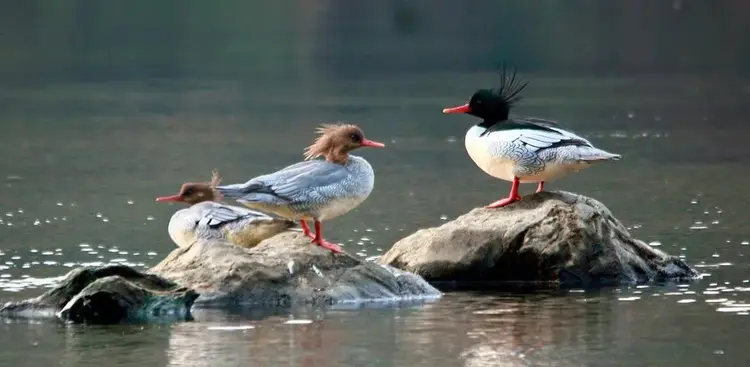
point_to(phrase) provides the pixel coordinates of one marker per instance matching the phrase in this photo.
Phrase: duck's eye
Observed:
(187, 192)
(355, 137)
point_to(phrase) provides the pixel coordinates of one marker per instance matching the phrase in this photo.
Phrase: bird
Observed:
(521, 149)
(314, 189)
(207, 219)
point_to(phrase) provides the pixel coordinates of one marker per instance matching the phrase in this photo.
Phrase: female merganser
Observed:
(314, 189)
(524, 149)
(206, 219)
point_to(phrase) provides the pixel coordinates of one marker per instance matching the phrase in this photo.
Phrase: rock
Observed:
(285, 270)
(108, 294)
(557, 237)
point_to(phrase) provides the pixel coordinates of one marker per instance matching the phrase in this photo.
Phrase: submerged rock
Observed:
(108, 294)
(555, 237)
(285, 270)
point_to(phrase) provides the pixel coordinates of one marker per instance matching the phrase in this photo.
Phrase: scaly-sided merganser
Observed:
(206, 219)
(524, 149)
(314, 189)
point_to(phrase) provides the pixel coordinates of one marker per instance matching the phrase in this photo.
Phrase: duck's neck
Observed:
(338, 157)
(208, 195)
(486, 124)
(194, 203)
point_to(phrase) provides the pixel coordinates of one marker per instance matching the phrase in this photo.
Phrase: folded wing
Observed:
(306, 181)
(536, 134)
(216, 215)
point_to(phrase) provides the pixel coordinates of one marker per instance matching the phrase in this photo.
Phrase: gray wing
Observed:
(301, 182)
(215, 214)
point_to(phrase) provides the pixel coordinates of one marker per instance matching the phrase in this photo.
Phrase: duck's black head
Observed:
(493, 105)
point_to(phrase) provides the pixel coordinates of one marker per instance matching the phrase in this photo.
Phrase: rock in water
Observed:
(284, 270)
(281, 271)
(556, 237)
(108, 294)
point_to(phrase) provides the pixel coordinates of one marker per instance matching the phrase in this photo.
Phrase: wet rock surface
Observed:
(108, 294)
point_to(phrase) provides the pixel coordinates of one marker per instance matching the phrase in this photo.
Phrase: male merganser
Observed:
(314, 189)
(526, 149)
(206, 219)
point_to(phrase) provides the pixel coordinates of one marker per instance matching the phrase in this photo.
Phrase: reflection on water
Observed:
(572, 328)
(550, 328)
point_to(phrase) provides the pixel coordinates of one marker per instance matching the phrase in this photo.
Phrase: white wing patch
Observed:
(536, 140)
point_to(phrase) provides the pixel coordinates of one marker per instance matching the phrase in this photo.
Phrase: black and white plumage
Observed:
(532, 149)
(526, 149)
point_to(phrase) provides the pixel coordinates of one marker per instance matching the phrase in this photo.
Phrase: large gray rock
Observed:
(108, 294)
(556, 237)
(281, 271)
(285, 270)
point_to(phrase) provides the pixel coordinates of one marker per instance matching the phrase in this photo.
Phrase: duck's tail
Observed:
(592, 155)
(236, 191)
(231, 191)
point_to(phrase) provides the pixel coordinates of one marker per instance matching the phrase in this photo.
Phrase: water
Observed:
(471, 329)
(101, 116)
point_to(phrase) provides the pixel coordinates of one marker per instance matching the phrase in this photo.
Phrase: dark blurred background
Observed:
(91, 40)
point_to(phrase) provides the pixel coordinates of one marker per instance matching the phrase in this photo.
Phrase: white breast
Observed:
(339, 207)
(181, 228)
(355, 189)
(486, 153)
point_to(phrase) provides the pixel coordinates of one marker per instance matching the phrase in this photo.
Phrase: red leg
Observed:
(323, 243)
(540, 188)
(305, 228)
(512, 197)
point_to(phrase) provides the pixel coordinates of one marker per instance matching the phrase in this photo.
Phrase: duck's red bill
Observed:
(371, 143)
(460, 109)
(177, 197)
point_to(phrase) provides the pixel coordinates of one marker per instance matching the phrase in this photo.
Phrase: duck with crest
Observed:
(207, 219)
(314, 189)
(521, 149)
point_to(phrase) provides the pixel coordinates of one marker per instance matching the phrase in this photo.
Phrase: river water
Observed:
(100, 119)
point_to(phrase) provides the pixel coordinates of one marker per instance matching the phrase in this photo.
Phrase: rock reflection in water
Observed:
(472, 331)
(256, 338)
(505, 331)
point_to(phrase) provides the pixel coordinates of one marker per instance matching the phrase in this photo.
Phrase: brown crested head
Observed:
(195, 192)
(335, 141)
